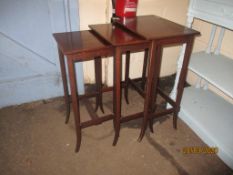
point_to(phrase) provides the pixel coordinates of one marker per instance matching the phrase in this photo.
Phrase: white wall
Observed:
(29, 67)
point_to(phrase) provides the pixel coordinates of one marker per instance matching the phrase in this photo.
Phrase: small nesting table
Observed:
(81, 46)
(122, 42)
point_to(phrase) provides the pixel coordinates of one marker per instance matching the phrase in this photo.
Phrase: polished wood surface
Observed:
(154, 27)
(145, 33)
(79, 41)
(81, 46)
(123, 42)
(115, 35)
(160, 32)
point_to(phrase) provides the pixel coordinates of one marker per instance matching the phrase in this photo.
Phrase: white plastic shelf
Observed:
(216, 69)
(211, 118)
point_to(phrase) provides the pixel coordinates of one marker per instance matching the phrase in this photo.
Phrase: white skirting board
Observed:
(30, 89)
(211, 118)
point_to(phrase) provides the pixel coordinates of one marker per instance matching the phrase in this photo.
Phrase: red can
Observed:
(126, 8)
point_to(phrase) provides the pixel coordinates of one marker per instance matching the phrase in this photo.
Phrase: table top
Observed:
(153, 27)
(79, 41)
(115, 35)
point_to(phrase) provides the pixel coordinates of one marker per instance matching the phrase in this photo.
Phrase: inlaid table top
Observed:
(154, 27)
(79, 41)
(116, 35)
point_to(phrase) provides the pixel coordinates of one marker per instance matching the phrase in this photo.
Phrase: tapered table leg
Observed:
(65, 84)
(155, 83)
(75, 102)
(145, 61)
(181, 82)
(98, 81)
(117, 93)
(152, 81)
(127, 65)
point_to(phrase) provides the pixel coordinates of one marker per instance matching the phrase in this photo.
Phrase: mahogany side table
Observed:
(81, 46)
(122, 42)
(160, 32)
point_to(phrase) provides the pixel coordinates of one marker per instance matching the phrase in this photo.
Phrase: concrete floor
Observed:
(35, 140)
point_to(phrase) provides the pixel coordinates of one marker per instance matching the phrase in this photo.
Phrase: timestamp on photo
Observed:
(200, 150)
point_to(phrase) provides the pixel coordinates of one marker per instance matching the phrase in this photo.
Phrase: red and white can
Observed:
(126, 8)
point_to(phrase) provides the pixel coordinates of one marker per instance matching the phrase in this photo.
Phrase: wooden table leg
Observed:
(98, 81)
(145, 61)
(75, 102)
(183, 75)
(155, 83)
(153, 74)
(127, 65)
(65, 84)
(117, 93)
